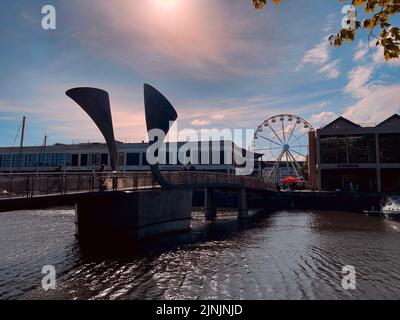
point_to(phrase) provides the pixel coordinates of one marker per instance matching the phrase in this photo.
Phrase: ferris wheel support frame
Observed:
(284, 138)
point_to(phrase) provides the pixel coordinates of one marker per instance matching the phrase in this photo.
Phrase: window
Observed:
(389, 151)
(84, 160)
(58, 159)
(121, 159)
(6, 161)
(104, 159)
(68, 159)
(362, 148)
(75, 160)
(31, 160)
(132, 159)
(144, 160)
(97, 159)
(222, 157)
(333, 149)
(91, 159)
(18, 160)
(44, 160)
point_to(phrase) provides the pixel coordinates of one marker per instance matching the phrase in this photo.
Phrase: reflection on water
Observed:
(286, 255)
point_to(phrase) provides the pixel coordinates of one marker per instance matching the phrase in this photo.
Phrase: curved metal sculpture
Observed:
(96, 103)
(160, 114)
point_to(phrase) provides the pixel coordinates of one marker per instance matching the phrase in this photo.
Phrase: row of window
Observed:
(52, 160)
(360, 148)
(91, 160)
(133, 159)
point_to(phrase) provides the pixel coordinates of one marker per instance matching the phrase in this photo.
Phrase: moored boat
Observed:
(374, 213)
(391, 208)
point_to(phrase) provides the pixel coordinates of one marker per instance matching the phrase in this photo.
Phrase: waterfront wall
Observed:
(131, 216)
(273, 201)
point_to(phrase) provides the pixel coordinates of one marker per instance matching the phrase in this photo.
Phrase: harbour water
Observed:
(284, 255)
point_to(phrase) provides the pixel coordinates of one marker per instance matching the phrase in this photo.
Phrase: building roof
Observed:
(392, 121)
(341, 123)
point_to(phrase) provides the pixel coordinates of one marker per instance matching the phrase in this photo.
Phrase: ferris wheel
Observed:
(282, 140)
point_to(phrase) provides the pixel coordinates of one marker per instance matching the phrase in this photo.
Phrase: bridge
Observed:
(24, 191)
(125, 204)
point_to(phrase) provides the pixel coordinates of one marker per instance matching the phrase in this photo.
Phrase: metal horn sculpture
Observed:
(96, 103)
(160, 114)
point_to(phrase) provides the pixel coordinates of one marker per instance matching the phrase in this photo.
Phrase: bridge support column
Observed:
(131, 216)
(243, 211)
(210, 207)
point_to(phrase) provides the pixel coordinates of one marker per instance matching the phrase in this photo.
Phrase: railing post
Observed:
(115, 181)
(27, 186)
(92, 182)
(65, 183)
(10, 189)
(33, 186)
(47, 185)
(78, 183)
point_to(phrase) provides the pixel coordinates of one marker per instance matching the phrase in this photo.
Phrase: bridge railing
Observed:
(212, 178)
(30, 185)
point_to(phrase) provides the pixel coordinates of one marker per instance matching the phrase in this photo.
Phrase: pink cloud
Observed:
(375, 105)
(323, 118)
(200, 122)
(200, 38)
(374, 101)
(358, 78)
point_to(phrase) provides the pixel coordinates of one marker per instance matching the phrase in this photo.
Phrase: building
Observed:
(350, 157)
(131, 157)
(279, 170)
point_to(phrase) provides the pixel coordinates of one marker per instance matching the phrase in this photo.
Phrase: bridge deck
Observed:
(35, 189)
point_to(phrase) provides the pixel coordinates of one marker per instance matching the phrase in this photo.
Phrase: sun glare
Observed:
(167, 4)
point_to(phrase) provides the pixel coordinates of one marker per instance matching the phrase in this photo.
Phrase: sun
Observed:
(167, 4)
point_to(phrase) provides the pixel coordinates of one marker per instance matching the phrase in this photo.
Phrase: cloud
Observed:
(320, 56)
(361, 51)
(200, 123)
(323, 118)
(376, 54)
(217, 116)
(329, 23)
(375, 105)
(53, 113)
(331, 69)
(374, 102)
(379, 58)
(197, 38)
(358, 78)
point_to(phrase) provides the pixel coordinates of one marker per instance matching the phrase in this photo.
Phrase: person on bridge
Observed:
(102, 180)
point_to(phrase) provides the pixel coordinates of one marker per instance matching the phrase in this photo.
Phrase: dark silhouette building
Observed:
(349, 157)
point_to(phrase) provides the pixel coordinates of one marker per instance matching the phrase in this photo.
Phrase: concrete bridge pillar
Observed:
(210, 207)
(243, 211)
(131, 216)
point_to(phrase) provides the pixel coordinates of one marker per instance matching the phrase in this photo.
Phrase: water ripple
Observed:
(287, 255)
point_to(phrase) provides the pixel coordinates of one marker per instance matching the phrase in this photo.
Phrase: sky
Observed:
(222, 64)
